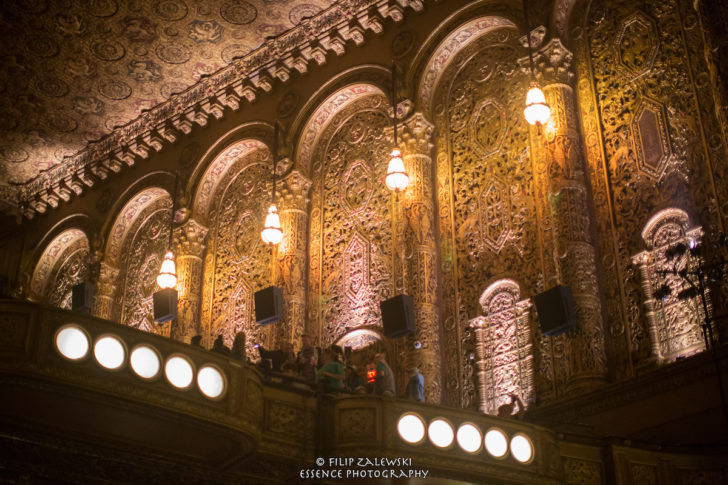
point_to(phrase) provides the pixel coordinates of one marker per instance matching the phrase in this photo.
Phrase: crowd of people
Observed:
(327, 368)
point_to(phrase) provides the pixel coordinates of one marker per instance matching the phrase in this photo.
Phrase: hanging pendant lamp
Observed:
(396, 179)
(537, 112)
(272, 233)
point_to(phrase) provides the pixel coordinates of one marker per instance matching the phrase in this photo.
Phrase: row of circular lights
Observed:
(441, 433)
(73, 343)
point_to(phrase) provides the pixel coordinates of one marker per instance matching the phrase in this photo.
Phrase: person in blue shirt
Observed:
(415, 386)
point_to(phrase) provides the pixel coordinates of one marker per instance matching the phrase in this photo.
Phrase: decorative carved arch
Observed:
(458, 39)
(63, 263)
(135, 211)
(222, 170)
(503, 346)
(311, 133)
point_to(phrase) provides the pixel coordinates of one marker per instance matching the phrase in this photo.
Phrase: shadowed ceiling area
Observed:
(72, 71)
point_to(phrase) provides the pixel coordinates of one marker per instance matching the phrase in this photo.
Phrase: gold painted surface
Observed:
(485, 191)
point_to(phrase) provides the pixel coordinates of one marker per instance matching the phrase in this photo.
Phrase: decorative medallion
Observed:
(288, 103)
(101, 8)
(650, 138)
(402, 44)
(246, 234)
(238, 12)
(488, 126)
(356, 186)
(356, 267)
(170, 9)
(107, 51)
(637, 44)
(190, 154)
(52, 87)
(114, 89)
(173, 53)
(494, 208)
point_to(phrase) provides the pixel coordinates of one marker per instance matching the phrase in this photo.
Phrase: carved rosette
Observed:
(564, 186)
(105, 290)
(293, 207)
(189, 243)
(419, 216)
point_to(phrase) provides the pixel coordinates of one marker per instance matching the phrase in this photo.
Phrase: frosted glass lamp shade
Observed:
(537, 112)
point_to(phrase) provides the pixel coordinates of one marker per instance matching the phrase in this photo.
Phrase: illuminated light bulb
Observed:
(167, 277)
(537, 112)
(272, 232)
(396, 178)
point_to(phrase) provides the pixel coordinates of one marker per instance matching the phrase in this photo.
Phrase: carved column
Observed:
(561, 164)
(189, 244)
(105, 290)
(293, 207)
(478, 324)
(642, 261)
(419, 212)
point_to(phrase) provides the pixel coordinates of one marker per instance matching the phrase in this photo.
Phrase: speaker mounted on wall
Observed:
(82, 297)
(397, 317)
(556, 310)
(164, 305)
(268, 305)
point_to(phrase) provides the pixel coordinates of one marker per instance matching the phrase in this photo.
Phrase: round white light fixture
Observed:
(496, 442)
(211, 382)
(109, 352)
(469, 438)
(411, 428)
(522, 448)
(145, 362)
(179, 372)
(441, 433)
(72, 342)
(537, 112)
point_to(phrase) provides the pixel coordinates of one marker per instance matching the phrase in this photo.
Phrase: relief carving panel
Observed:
(237, 263)
(635, 70)
(485, 192)
(351, 237)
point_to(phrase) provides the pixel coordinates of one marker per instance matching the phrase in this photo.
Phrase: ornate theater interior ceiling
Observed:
(71, 72)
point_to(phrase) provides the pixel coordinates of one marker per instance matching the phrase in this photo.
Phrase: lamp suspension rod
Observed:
(528, 39)
(174, 204)
(394, 100)
(275, 158)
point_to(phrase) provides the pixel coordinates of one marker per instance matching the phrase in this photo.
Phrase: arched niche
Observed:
(350, 228)
(504, 351)
(135, 246)
(64, 262)
(673, 323)
(486, 186)
(231, 199)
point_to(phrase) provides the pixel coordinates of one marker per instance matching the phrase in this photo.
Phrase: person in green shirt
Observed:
(330, 377)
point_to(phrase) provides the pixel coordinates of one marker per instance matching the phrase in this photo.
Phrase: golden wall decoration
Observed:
(141, 262)
(63, 264)
(641, 76)
(485, 193)
(351, 237)
(674, 324)
(237, 262)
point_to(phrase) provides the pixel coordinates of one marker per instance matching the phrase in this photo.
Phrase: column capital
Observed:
(552, 63)
(294, 191)
(189, 238)
(106, 282)
(417, 133)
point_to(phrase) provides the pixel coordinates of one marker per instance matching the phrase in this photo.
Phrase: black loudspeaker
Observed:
(397, 317)
(165, 305)
(268, 305)
(82, 297)
(556, 311)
